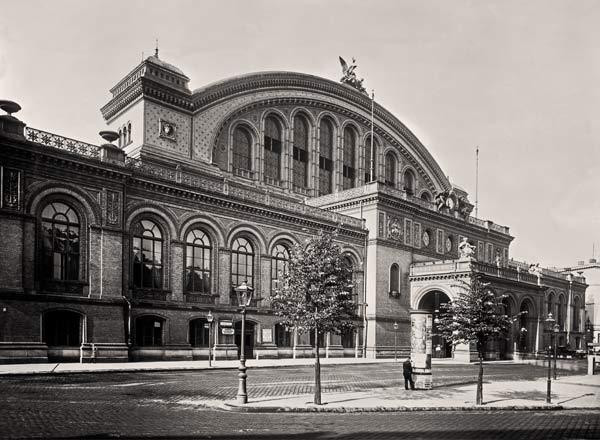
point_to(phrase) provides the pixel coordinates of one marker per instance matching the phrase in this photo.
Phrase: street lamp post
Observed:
(549, 325)
(244, 294)
(395, 342)
(209, 319)
(556, 330)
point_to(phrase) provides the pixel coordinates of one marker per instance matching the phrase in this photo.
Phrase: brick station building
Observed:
(120, 251)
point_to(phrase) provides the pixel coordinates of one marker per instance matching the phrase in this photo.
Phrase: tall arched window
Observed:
(394, 279)
(370, 166)
(125, 136)
(129, 132)
(242, 150)
(551, 305)
(300, 153)
(390, 169)
(60, 242)
(272, 149)
(279, 264)
(242, 263)
(426, 196)
(121, 142)
(409, 182)
(325, 157)
(147, 255)
(576, 313)
(197, 269)
(560, 320)
(349, 171)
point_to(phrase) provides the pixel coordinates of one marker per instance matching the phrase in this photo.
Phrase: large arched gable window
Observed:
(242, 150)
(279, 264)
(390, 169)
(349, 171)
(147, 255)
(370, 166)
(409, 182)
(60, 242)
(272, 141)
(242, 263)
(300, 152)
(198, 259)
(325, 157)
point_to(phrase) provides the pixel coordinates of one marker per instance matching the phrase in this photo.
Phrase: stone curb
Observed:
(315, 409)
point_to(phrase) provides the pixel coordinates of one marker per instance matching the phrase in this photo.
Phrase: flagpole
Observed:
(372, 164)
(477, 182)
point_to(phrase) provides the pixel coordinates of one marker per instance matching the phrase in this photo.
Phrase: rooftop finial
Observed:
(156, 50)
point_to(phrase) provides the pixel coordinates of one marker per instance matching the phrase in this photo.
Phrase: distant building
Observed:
(120, 251)
(591, 271)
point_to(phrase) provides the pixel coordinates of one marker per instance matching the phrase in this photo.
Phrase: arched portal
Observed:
(248, 339)
(431, 302)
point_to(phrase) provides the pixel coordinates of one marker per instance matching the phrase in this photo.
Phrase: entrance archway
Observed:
(431, 302)
(248, 340)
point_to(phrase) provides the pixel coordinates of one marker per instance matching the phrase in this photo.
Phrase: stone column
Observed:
(177, 270)
(421, 322)
(224, 284)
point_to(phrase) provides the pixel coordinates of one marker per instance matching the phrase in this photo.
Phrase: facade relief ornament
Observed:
(10, 188)
(451, 203)
(113, 207)
(466, 250)
(395, 229)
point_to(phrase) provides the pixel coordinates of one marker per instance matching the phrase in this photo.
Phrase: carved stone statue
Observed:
(535, 269)
(466, 249)
(350, 77)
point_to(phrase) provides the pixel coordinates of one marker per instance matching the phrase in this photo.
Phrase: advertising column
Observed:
(420, 342)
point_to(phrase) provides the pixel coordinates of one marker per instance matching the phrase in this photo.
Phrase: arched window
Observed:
(197, 269)
(426, 196)
(60, 242)
(199, 333)
(121, 142)
(524, 319)
(147, 255)
(129, 132)
(279, 263)
(325, 157)
(551, 305)
(394, 279)
(149, 331)
(242, 263)
(409, 182)
(242, 150)
(560, 320)
(272, 149)
(370, 166)
(283, 336)
(300, 153)
(576, 313)
(349, 171)
(61, 328)
(390, 169)
(125, 135)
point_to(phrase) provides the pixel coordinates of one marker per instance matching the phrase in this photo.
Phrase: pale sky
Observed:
(517, 78)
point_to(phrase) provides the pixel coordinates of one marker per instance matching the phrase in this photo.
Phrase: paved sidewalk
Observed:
(575, 391)
(571, 392)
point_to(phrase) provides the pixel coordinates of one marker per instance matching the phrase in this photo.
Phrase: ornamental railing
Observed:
(62, 143)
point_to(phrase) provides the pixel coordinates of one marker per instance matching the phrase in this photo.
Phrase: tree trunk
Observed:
(479, 397)
(317, 369)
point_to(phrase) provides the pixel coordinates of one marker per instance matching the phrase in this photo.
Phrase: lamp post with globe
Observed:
(550, 321)
(244, 294)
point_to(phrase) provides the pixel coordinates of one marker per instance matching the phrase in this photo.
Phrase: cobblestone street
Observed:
(149, 405)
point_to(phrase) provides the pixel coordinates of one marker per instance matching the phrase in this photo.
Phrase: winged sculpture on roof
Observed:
(350, 77)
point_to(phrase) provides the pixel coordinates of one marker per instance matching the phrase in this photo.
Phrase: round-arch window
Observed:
(272, 143)
(409, 182)
(242, 149)
(279, 264)
(147, 255)
(60, 242)
(390, 169)
(242, 262)
(197, 269)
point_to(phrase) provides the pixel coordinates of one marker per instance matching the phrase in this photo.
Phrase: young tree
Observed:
(476, 315)
(315, 293)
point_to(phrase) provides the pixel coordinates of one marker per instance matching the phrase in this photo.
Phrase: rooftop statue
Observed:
(350, 77)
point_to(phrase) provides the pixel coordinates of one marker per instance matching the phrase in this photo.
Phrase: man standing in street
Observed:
(407, 370)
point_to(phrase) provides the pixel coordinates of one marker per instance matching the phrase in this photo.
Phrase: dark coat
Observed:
(407, 367)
